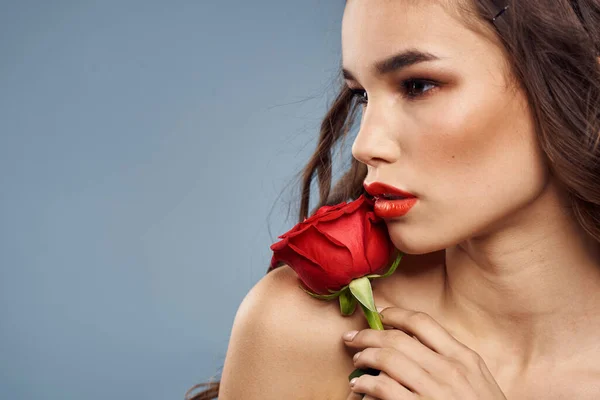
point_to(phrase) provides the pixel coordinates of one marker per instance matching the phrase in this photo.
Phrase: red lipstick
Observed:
(390, 201)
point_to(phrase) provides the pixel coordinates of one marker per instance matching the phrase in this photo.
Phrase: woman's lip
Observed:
(378, 189)
(393, 208)
(387, 197)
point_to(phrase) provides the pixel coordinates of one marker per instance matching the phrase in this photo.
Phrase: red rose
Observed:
(336, 245)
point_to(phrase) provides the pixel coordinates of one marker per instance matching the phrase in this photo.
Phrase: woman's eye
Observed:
(360, 96)
(415, 87)
(411, 88)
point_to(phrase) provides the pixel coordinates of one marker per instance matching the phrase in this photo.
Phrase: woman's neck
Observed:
(532, 287)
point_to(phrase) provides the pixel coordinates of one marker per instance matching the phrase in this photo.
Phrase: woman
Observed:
(490, 115)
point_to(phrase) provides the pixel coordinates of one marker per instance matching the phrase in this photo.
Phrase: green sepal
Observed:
(321, 296)
(361, 289)
(333, 295)
(347, 302)
(390, 270)
(338, 291)
(358, 372)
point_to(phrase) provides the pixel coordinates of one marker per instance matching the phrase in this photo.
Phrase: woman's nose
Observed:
(375, 143)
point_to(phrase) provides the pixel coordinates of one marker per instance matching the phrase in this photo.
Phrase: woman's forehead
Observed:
(374, 30)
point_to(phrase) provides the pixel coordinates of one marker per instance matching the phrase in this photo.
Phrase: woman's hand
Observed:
(436, 366)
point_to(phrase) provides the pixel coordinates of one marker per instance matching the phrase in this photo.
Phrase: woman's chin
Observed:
(412, 245)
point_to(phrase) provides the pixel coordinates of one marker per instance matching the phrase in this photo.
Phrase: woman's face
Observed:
(458, 136)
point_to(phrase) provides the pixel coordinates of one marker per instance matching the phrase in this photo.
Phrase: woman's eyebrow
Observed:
(396, 62)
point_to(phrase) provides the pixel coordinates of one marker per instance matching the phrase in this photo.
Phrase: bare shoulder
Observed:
(286, 344)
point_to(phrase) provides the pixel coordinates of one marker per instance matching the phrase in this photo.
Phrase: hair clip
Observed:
(500, 13)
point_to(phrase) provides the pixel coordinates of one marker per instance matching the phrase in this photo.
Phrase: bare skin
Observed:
(492, 254)
(560, 360)
(520, 280)
(285, 344)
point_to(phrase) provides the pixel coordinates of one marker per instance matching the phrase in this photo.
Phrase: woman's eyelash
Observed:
(407, 86)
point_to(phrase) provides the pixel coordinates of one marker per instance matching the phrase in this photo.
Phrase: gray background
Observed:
(143, 149)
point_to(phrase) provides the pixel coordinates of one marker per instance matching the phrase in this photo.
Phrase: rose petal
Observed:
(377, 245)
(309, 273)
(337, 265)
(328, 234)
(336, 256)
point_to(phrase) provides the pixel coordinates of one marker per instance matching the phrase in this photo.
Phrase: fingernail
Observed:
(353, 382)
(349, 335)
(356, 356)
(379, 309)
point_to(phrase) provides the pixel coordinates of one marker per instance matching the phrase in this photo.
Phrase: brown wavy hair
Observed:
(553, 53)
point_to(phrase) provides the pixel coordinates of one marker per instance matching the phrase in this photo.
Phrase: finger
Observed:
(427, 330)
(397, 366)
(429, 360)
(382, 387)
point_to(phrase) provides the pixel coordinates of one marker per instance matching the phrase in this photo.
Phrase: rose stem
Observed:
(375, 323)
(372, 318)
